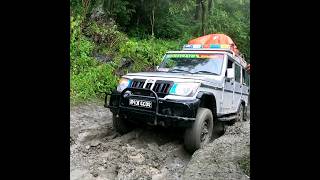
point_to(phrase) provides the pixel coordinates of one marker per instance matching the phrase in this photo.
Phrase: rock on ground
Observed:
(220, 159)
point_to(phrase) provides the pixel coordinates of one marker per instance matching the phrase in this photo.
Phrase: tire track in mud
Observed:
(98, 152)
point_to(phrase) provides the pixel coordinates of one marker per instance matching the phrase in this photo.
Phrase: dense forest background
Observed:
(112, 37)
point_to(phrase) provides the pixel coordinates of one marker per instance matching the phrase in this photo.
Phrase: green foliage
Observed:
(80, 48)
(92, 83)
(106, 37)
(170, 27)
(120, 10)
(82, 7)
(244, 164)
(140, 32)
(147, 53)
(102, 27)
(88, 77)
(233, 18)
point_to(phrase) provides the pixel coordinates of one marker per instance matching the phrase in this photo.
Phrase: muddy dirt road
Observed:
(98, 152)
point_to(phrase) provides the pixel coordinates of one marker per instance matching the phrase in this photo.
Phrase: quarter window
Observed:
(245, 77)
(237, 73)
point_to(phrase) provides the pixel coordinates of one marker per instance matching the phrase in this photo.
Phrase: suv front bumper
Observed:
(176, 113)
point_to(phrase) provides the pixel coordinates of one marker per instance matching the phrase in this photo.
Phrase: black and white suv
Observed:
(197, 89)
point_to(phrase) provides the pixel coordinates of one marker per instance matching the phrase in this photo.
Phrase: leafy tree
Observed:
(139, 32)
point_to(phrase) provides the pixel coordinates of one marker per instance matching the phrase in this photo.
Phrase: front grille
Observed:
(137, 83)
(148, 86)
(160, 87)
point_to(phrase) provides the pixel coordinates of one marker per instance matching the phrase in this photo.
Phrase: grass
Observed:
(244, 164)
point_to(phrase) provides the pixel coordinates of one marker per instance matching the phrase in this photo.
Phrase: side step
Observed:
(228, 118)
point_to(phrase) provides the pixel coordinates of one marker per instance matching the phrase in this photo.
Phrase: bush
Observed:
(106, 37)
(89, 79)
(147, 53)
(80, 48)
(92, 83)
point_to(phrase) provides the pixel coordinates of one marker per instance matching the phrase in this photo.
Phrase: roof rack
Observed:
(215, 47)
(208, 47)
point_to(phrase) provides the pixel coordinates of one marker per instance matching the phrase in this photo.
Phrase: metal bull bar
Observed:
(155, 99)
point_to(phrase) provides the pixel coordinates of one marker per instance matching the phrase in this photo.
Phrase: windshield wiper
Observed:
(205, 72)
(178, 70)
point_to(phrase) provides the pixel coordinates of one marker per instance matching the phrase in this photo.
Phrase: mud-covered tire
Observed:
(240, 113)
(245, 114)
(247, 117)
(196, 136)
(121, 125)
(219, 129)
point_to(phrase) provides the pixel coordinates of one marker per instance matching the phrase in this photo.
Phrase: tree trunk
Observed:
(152, 22)
(210, 5)
(203, 17)
(138, 21)
(85, 4)
(107, 5)
(197, 14)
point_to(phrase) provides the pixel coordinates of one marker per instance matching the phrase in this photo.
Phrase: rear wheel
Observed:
(245, 113)
(121, 125)
(201, 131)
(240, 114)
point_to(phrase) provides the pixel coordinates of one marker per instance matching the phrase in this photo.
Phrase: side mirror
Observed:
(230, 73)
(157, 67)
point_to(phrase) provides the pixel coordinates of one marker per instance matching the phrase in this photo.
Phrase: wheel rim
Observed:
(204, 131)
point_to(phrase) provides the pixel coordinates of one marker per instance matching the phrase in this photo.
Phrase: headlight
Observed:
(123, 83)
(184, 89)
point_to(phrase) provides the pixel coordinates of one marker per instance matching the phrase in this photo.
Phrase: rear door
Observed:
(237, 87)
(246, 84)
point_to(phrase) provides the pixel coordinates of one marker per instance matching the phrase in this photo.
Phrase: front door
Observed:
(228, 91)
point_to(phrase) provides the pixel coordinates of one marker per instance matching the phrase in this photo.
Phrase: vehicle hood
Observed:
(173, 76)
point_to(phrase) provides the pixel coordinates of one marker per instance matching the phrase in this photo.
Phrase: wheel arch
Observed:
(208, 100)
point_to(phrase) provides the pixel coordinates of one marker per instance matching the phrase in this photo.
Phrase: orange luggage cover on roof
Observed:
(215, 39)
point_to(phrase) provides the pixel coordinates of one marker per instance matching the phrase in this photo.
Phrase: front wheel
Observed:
(121, 125)
(201, 131)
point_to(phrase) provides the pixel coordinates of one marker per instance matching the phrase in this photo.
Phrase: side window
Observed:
(229, 65)
(237, 72)
(245, 78)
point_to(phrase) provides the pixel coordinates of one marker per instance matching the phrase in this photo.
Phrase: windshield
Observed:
(192, 63)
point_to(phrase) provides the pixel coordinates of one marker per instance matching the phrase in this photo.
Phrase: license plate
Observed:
(140, 103)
